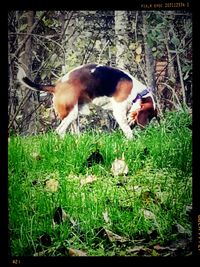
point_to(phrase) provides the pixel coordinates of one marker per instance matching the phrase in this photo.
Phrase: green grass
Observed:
(159, 180)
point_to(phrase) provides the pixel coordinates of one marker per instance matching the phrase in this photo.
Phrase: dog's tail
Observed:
(23, 79)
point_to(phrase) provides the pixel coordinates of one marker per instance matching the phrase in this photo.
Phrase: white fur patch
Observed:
(120, 114)
(138, 86)
(61, 129)
(93, 70)
(65, 78)
(136, 105)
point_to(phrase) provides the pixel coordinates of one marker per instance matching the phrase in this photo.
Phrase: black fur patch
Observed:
(39, 87)
(32, 84)
(108, 79)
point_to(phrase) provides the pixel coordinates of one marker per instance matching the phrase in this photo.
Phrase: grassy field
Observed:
(63, 204)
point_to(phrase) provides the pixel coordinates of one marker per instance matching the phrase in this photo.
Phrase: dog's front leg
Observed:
(119, 112)
(73, 114)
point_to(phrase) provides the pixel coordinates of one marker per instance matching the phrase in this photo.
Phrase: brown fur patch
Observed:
(143, 115)
(123, 89)
(65, 97)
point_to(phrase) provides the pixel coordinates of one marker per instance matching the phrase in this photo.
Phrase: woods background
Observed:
(154, 46)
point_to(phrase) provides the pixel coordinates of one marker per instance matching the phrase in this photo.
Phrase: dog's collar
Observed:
(140, 95)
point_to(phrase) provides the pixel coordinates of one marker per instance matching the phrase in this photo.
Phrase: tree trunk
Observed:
(12, 97)
(67, 37)
(29, 116)
(121, 22)
(150, 63)
(150, 68)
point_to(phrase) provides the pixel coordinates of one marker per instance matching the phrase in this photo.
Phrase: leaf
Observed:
(150, 41)
(98, 45)
(186, 76)
(188, 210)
(57, 64)
(106, 217)
(45, 240)
(60, 216)
(36, 156)
(53, 57)
(135, 249)
(94, 158)
(148, 197)
(44, 252)
(137, 188)
(114, 237)
(132, 46)
(43, 76)
(139, 250)
(158, 247)
(52, 185)
(175, 41)
(139, 50)
(119, 167)
(23, 27)
(89, 179)
(76, 252)
(154, 253)
(138, 58)
(148, 214)
(182, 230)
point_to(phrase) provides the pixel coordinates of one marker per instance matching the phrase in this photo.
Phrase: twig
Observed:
(26, 97)
(142, 71)
(67, 24)
(90, 50)
(28, 35)
(136, 18)
(102, 51)
(181, 78)
(168, 86)
(30, 114)
(39, 36)
(170, 101)
(173, 56)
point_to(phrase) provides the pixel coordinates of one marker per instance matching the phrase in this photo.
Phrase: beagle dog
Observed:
(132, 102)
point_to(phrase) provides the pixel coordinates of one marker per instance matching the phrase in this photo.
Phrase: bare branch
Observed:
(174, 93)
(24, 100)
(28, 35)
(181, 78)
(102, 51)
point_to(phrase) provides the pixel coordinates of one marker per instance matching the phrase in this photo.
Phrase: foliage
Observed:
(63, 40)
(171, 33)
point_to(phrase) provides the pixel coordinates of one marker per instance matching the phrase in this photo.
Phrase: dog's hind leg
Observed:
(73, 114)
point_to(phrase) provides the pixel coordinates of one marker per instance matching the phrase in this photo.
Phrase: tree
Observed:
(29, 115)
(149, 60)
(121, 38)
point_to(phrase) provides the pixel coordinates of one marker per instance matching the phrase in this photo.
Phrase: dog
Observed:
(132, 102)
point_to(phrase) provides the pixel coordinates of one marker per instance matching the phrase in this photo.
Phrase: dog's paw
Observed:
(129, 135)
(61, 134)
